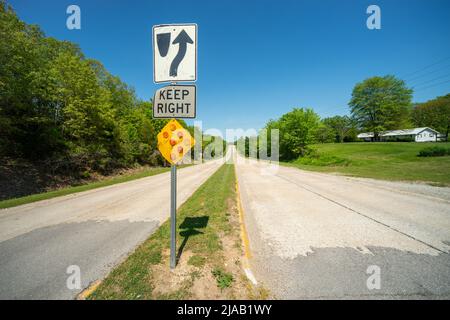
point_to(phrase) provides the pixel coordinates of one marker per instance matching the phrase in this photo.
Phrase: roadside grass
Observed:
(197, 261)
(85, 187)
(379, 160)
(209, 252)
(223, 279)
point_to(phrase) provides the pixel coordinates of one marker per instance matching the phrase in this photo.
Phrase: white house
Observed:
(424, 134)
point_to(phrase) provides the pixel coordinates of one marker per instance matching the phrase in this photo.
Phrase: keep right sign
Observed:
(175, 101)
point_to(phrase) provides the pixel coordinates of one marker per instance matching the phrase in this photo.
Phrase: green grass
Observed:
(224, 279)
(201, 221)
(380, 160)
(197, 261)
(85, 187)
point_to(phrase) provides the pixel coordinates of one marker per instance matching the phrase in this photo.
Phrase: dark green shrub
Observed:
(435, 151)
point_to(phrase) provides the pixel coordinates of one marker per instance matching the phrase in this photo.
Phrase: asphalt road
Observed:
(93, 230)
(319, 236)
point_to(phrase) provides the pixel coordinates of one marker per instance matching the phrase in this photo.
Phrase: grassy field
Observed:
(209, 252)
(85, 187)
(381, 160)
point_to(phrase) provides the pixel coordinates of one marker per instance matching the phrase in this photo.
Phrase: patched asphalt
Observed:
(317, 236)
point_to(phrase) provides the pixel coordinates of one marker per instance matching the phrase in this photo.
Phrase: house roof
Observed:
(365, 135)
(402, 132)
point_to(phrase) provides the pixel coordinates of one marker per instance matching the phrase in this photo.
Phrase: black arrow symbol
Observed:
(182, 39)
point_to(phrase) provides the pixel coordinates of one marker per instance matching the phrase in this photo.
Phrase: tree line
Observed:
(59, 106)
(377, 104)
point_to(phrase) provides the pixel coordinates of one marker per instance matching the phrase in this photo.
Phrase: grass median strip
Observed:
(209, 252)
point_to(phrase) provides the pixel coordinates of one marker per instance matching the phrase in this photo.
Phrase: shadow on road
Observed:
(190, 226)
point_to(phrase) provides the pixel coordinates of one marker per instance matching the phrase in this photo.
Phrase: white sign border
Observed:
(154, 50)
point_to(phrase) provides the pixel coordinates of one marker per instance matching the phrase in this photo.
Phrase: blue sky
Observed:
(259, 59)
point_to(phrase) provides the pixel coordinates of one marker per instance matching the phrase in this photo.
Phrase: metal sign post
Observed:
(173, 216)
(174, 60)
(174, 142)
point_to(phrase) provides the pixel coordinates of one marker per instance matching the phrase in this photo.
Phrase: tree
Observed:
(298, 128)
(434, 113)
(59, 106)
(381, 103)
(325, 134)
(26, 104)
(340, 127)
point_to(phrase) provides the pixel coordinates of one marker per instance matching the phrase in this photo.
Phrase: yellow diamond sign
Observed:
(174, 142)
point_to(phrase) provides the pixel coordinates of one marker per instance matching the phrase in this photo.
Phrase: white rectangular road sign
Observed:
(175, 101)
(175, 53)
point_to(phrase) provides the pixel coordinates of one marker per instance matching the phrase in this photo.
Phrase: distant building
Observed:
(417, 135)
